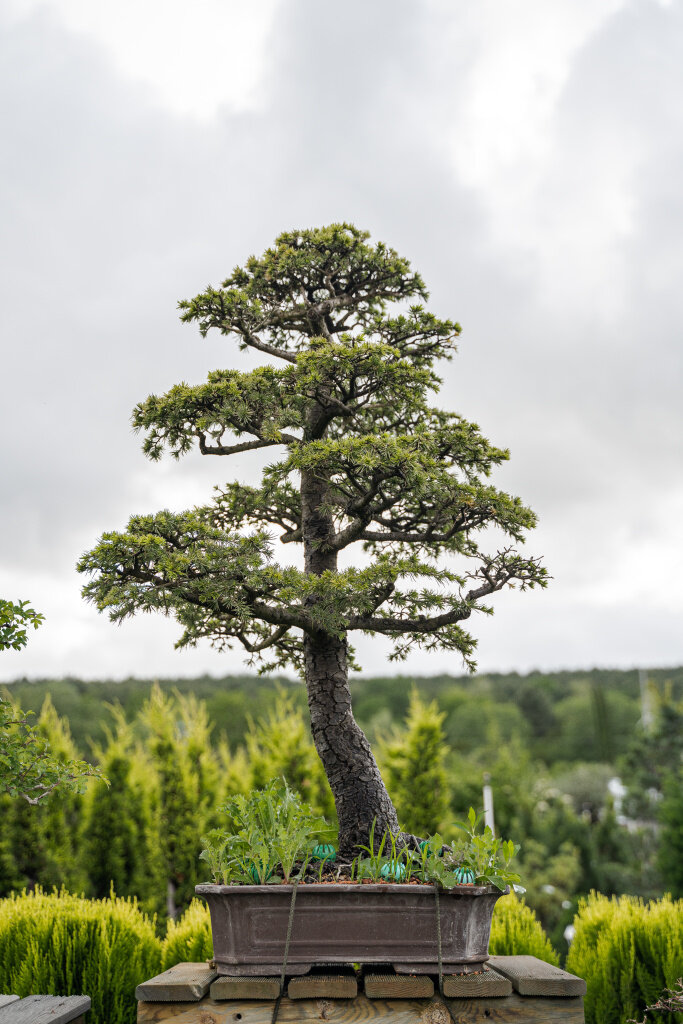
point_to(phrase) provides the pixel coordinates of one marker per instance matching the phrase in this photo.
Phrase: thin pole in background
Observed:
(488, 803)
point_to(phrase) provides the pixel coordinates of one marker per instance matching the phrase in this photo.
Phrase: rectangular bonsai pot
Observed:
(349, 923)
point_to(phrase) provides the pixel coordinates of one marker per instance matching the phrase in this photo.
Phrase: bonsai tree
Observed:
(360, 458)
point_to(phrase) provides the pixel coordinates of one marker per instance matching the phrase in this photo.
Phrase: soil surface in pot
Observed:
(340, 874)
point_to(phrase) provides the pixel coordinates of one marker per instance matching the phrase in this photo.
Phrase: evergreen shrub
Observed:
(628, 952)
(189, 938)
(515, 930)
(60, 944)
(413, 762)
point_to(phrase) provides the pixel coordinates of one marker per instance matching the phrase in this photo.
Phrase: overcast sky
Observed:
(527, 157)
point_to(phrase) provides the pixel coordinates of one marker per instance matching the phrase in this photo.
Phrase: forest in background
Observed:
(175, 749)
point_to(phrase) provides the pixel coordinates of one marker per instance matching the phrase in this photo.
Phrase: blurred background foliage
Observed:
(590, 789)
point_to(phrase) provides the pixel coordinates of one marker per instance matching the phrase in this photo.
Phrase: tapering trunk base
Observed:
(359, 792)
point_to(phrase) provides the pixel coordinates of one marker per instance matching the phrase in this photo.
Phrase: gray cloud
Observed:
(568, 290)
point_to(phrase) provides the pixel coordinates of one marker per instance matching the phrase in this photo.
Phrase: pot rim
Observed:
(317, 888)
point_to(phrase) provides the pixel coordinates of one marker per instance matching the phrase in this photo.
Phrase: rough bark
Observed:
(359, 793)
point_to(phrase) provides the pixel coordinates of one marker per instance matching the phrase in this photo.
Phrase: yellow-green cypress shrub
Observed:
(44, 847)
(279, 745)
(628, 952)
(189, 938)
(60, 944)
(515, 929)
(178, 812)
(412, 760)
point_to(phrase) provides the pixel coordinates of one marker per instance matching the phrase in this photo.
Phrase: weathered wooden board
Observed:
(532, 977)
(389, 985)
(4, 1000)
(46, 1010)
(331, 984)
(515, 1009)
(488, 984)
(179, 984)
(226, 987)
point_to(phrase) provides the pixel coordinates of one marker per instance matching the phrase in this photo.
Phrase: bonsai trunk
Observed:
(359, 793)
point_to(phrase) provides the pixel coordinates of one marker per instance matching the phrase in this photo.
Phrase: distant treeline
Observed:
(560, 716)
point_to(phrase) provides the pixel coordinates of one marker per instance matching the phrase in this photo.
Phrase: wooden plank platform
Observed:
(4, 1000)
(181, 983)
(532, 977)
(46, 1010)
(513, 1009)
(499, 993)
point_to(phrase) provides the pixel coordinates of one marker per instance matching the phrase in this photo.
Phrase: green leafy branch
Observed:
(270, 832)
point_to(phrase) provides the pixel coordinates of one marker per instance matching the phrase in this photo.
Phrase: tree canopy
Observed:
(361, 458)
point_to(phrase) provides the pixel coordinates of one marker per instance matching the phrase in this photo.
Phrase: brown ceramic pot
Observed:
(349, 923)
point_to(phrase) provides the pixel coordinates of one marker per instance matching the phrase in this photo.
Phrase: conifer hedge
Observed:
(189, 938)
(628, 952)
(515, 929)
(59, 944)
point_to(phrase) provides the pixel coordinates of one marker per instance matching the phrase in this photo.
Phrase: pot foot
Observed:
(433, 969)
(261, 970)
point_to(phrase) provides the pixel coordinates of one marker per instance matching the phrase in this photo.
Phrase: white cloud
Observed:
(194, 58)
(526, 158)
(504, 99)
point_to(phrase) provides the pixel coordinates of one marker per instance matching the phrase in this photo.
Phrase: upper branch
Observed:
(296, 289)
(262, 403)
(421, 489)
(409, 617)
(246, 446)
